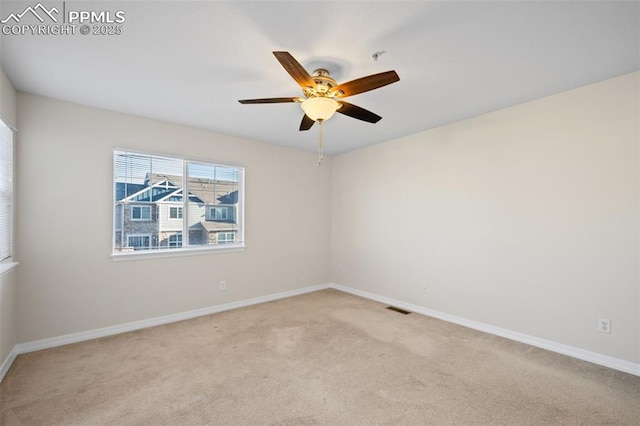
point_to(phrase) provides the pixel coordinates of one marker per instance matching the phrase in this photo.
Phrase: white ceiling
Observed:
(189, 62)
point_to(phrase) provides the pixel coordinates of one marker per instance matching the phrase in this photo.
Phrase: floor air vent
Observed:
(402, 311)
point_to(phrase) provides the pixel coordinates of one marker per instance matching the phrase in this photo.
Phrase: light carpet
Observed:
(325, 358)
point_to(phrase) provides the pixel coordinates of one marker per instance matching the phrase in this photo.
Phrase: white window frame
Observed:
(139, 236)
(179, 212)
(186, 250)
(141, 219)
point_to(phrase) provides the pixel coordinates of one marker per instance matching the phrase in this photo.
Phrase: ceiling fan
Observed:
(323, 96)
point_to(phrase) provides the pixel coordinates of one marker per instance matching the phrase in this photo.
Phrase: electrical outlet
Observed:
(223, 285)
(604, 325)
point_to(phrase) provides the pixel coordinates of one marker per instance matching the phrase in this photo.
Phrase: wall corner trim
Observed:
(6, 364)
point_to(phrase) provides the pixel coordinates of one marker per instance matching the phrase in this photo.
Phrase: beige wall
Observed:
(8, 110)
(525, 218)
(68, 281)
(8, 281)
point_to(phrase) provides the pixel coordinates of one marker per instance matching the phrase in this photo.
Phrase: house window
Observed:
(219, 213)
(141, 212)
(226, 237)
(175, 212)
(175, 240)
(139, 242)
(171, 200)
(6, 191)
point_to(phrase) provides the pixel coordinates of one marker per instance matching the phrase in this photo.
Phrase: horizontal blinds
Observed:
(6, 191)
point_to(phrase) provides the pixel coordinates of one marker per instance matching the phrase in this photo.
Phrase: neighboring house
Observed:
(151, 215)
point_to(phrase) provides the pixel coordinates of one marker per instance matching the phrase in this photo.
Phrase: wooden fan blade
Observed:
(293, 67)
(365, 84)
(306, 123)
(269, 100)
(355, 111)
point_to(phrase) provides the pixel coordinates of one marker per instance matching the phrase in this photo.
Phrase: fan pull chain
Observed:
(320, 143)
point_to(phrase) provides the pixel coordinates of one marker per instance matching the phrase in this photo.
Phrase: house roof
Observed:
(209, 191)
(143, 192)
(230, 198)
(214, 226)
(158, 188)
(124, 189)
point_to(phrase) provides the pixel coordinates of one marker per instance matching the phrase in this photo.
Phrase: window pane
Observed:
(145, 212)
(142, 178)
(213, 197)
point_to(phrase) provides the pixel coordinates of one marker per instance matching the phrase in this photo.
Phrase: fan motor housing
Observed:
(324, 83)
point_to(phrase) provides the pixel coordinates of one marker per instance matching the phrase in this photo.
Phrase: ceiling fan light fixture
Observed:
(319, 108)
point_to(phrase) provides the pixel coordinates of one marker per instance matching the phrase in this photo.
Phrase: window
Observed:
(169, 204)
(139, 242)
(175, 240)
(175, 212)
(6, 191)
(219, 213)
(226, 237)
(141, 212)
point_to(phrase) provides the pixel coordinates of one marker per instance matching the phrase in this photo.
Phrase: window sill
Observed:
(6, 267)
(195, 251)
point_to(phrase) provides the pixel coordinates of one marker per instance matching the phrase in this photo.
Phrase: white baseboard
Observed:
(604, 360)
(152, 322)
(593, 357)
(8, 362)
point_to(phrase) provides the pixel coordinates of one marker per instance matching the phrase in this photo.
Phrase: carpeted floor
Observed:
(323, 358)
